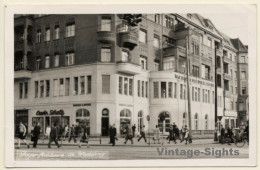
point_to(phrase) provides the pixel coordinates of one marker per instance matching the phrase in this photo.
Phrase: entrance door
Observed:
(105, 126)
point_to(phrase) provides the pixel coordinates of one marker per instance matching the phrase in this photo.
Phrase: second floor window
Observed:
(38, 64)
(47, 62)
(125, 56)
(105, 54)
(143, 63)
(56, 60)
(105, 23)
(57, 32)
(47, 34)
(70, 30)
(156, 41)
(69, 60)
(106, 84)
(142, 36)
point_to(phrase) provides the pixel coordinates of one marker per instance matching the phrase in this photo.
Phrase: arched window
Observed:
(196, 121)
(83, 118)
(184, 118)
(164, 125)
(140, 120)
(125, 119)
(105, 112)
(206, 122)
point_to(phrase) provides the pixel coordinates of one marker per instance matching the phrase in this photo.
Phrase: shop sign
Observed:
(52, 112)
(195, 81)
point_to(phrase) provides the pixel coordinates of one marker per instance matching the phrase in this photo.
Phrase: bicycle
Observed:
(240, 141)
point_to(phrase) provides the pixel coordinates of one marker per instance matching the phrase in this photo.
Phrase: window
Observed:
(106, 84)
(218, 62)
(208, 96)
(106, 23)
(56, 60)
(194, 48)
(61, 88)
(198, 94)
(20, 90)
(196, 124)
(163, 89)
(206, 122)
(184, 119)
(156, 41)
(195, 71)
(47, 62)
(192, 93)
(213, 97)
(226, 85)
(125, 56)
(184, 92)
(105, 54)
(38, 63)
(143, 62)
(125, 119)
(70, 30)
(57, 32)
(169, 63)
(170, 89)
(175, 90)
(83, 118)
(41, 88)
(232, 105)
(243, 90)
(131, 87)
(157, 18)
(156, 66)
(168, 22)
(142, 36)
(36, 88)
(47, 34)
(47, 88)
(120, 85)
(25, 90)
(203, 95)
(138, 88)
(76, 85)
(82, 84)
(209, 42)
(243, 75)
(181, 91)
(140, 120)
(39, 32)
(167, 41)
(164, 125)
(55, 87)
(226, 68)
(242, 59)
(69, 59)
(231, 73)
(89, 84)
(126, 86)
(67, 86)
(146, 89)
(235, 74)
(219, 80)
(156, 89)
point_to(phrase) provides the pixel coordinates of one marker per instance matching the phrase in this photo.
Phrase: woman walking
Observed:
(83, 136)
(129, 134)
(22, 133)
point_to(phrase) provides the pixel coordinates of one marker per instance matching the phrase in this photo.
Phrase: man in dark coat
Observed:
(142, 134)
(133, 129)
(113, 135)
(36, 134)
(53, 136)
(247, 131)
(170, 137)
(72, 134)
(110, 132)
(222, 134)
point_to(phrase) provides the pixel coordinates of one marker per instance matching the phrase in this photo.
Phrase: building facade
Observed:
(98, 70)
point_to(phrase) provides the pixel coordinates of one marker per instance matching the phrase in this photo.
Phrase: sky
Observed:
(234, 25)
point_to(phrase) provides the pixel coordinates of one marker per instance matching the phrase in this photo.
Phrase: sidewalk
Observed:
(120, 142)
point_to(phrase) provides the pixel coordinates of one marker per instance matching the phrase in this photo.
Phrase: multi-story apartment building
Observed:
(99, 70)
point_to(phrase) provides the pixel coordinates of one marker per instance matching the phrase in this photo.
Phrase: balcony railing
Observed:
(128, 39)
(106, 36)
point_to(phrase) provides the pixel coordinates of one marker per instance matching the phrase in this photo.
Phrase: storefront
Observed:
(20, 116)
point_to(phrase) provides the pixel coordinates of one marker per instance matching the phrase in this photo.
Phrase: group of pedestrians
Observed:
(182, 135)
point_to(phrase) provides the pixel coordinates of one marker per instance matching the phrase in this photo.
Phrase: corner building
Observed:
(98, 70)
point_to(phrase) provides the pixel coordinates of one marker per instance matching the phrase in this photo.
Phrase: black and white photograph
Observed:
(131, 85)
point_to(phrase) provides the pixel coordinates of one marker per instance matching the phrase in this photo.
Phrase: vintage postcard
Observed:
(130, 86)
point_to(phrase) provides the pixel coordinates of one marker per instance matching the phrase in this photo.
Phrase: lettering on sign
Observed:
(179, 77)
(52, 112)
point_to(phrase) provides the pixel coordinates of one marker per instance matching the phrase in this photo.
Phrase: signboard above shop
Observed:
(51, 112)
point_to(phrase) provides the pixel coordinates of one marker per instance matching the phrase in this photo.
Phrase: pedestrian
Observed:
(186, 136)
(83, 135)
(176, 133)
(22, 135)
(156, 134)
(65, 132)
(228, 134)
(182, 134)
(133, 129)
(246, 131)
(222, 134)
(142, 133)
(170, 136)
(110, 132)
(129, 134)
(113, 133)
(72, 134)
(60, 132)
(48, 131)
(36, 134)
(53, 136)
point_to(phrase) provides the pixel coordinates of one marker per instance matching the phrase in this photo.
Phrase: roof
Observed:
(227, 40)
(239, 45)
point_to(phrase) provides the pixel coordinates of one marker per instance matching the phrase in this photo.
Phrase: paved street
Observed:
(139, 150)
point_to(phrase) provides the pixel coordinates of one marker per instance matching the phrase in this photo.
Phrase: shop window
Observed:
(206, 122)
(125, 119)
(140, 120)
(83, 118)
(164, 125)
(196, 124)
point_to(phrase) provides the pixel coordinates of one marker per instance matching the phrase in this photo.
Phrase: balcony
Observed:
(227, 76)
(129, 68)
(128, 39)
(22, 74)
(206, 60)
(174, 51)
(106, 37)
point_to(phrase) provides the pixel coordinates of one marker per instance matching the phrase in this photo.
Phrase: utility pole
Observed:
(188, 83)
(216, 96)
